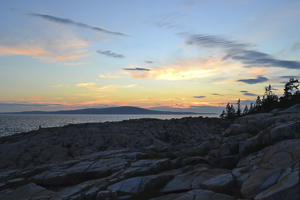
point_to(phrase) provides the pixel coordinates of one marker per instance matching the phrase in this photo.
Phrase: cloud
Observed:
(109, 88)
(240, 52)
(170, 21)
(246, 93)
(71, 22)
(37, 51)
(110, 54)
(181, 70)
(148, 61)
(60, 85)
(255, 58)
(61, 46)
(108, 76)
(199, 97)
(211, 41)
(28, 104)
(288, 77)
(136, 69)
(259, 79)
(216, 94)
(250, 94)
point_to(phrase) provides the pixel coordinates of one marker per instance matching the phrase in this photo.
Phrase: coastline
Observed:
(254, 157)
(14, 124)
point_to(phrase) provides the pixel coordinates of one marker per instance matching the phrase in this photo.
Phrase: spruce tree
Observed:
(246, 110)
(238, 112)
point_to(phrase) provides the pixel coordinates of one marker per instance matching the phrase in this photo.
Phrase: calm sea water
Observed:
(12, 124)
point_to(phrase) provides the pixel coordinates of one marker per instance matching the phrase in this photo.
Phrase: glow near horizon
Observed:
(179, 54)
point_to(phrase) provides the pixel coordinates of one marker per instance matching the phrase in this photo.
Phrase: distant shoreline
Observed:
(123, 110)
(46, 113)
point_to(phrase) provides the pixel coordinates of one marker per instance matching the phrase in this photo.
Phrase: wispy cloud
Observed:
(136, 69)
(199, 97)
(255, 58)
(216, 94)
(240, 52)
(288, 77)
(99, 102)
(29, 104)
(111, 54)
(148, 61)
(60, 85)
(181, 70)
(211, 41)
(108, 76)
(170, 21)
(109, 88)
(246, 93)
(66, 21)
(259, 79)
(64, 47)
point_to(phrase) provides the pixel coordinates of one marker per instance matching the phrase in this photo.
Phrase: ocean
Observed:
(16, 123)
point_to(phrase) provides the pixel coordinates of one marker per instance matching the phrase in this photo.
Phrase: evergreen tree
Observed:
(230, 111)
(246, 110)
(270, 100)
(258, 105)
(223, 115)
(251, 110)
(289, 87)
(258, 102)
(238, 112)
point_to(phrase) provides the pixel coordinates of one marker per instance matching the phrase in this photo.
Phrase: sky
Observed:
(159, 54)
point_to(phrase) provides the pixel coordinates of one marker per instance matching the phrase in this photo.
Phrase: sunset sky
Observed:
(162, 54)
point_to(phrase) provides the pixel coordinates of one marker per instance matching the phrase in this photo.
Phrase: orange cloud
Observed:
(22, 51)
(98, 101)
(108, 88)
(60, 85)
(194, 69)
(60, 48)
(108, 76)
(182, 70)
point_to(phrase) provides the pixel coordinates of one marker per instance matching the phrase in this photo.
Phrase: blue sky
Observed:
(179, 54)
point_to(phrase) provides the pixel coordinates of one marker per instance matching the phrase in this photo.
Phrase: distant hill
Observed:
(123, 110)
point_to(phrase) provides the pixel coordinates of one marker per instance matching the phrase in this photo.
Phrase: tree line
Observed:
(269, 101)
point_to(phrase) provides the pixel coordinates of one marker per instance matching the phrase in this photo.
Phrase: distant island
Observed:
(123, 110)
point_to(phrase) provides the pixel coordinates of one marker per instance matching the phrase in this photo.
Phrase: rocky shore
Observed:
(254, 157)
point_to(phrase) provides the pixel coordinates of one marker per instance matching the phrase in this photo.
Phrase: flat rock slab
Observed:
(197, 194)
(275, 172)
(138, 185)
(28, 191)
(202, 177)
